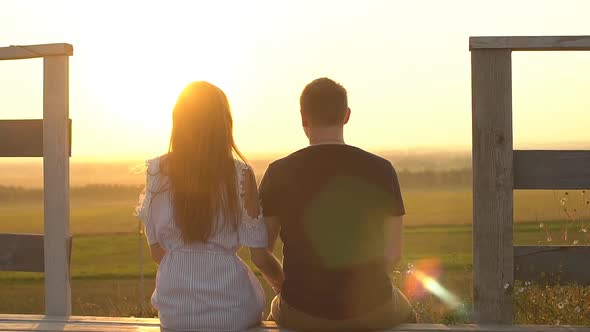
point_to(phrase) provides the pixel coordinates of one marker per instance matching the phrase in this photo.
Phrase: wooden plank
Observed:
(21, 138)
(532, 43)
(24, 138)
(492, 186)
(16, 52)
(81, 319)
(21, 252)
(56, 179)
(552, 264)
(55, 327)
(85, 323)
(539, 169)
(24, 252)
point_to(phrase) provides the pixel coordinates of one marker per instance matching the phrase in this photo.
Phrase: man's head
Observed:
(324, 103)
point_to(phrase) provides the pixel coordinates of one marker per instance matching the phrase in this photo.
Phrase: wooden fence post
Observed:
(492, 186)
(56, 179)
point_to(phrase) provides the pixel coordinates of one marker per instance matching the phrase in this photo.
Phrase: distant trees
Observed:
(124, 192)
(423, 179)
(429, 179)
(11, 194)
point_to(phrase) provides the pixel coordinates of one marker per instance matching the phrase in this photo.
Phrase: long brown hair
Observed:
(200, 164)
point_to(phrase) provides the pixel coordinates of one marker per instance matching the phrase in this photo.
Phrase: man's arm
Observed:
(270, 267)
(273, 227)
(393, 241)
(264, 258)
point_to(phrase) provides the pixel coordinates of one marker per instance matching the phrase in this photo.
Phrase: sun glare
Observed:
(134, 67)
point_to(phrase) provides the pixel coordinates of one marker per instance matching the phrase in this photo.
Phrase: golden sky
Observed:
(405, 64)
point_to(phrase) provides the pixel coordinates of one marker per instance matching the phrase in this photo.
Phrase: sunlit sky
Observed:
(405, 64)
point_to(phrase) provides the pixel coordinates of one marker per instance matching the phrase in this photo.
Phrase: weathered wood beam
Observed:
(16, 52)
(492, 186)
(110, 324)
(540, 169)
(24, 252)
(552, 264)
(532, 43)
(24, 138)
(21, 252)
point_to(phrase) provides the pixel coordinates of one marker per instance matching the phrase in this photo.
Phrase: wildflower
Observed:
(560, 305)
(542, 225)
(563, 201)
(578, 309)
(575, 242)
(521, 289)
(527, 283)
(549, 239)
(506, 285)
(584, 230)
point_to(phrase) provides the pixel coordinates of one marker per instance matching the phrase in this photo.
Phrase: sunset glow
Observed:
(406, 66)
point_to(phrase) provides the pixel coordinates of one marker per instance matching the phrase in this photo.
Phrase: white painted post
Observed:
(56, 179)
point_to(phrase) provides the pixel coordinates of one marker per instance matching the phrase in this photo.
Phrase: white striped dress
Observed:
(202, 287)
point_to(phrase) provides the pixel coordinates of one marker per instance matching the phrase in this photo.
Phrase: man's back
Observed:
(331, 201)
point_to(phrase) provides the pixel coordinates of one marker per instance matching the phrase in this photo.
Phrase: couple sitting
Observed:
(338, 210)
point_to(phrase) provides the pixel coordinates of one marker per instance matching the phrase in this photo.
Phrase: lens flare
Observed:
(422, 279)
(437, 289)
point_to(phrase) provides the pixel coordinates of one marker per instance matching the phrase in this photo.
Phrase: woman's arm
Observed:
(157, 252)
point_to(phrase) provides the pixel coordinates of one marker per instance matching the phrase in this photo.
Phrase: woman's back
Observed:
(203, 285)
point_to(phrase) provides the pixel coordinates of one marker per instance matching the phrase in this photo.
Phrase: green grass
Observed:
(105, 272)
(106, 214)
(106, 255)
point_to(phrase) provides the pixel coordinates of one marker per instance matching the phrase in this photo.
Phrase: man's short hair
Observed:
(324, 102)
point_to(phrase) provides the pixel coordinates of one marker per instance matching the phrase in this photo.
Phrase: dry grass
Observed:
(552, 305)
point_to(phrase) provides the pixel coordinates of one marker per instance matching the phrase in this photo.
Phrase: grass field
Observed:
(106, 253)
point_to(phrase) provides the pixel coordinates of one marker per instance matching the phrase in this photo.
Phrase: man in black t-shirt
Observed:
(338, 210)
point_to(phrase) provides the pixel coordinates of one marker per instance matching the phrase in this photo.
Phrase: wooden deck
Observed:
(112, 324)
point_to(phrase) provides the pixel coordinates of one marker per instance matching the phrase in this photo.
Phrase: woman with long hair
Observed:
(199, 207)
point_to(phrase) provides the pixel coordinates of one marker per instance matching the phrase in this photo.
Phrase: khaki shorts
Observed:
(397, 311)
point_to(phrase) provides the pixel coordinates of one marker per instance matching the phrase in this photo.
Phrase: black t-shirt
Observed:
(331, 202)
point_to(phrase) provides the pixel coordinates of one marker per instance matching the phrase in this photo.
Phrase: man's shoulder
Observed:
(370, 156)
(287, 160)
(348, 151)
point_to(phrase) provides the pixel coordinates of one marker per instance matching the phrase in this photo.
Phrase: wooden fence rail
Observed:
(49, 138)
(498, 170)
